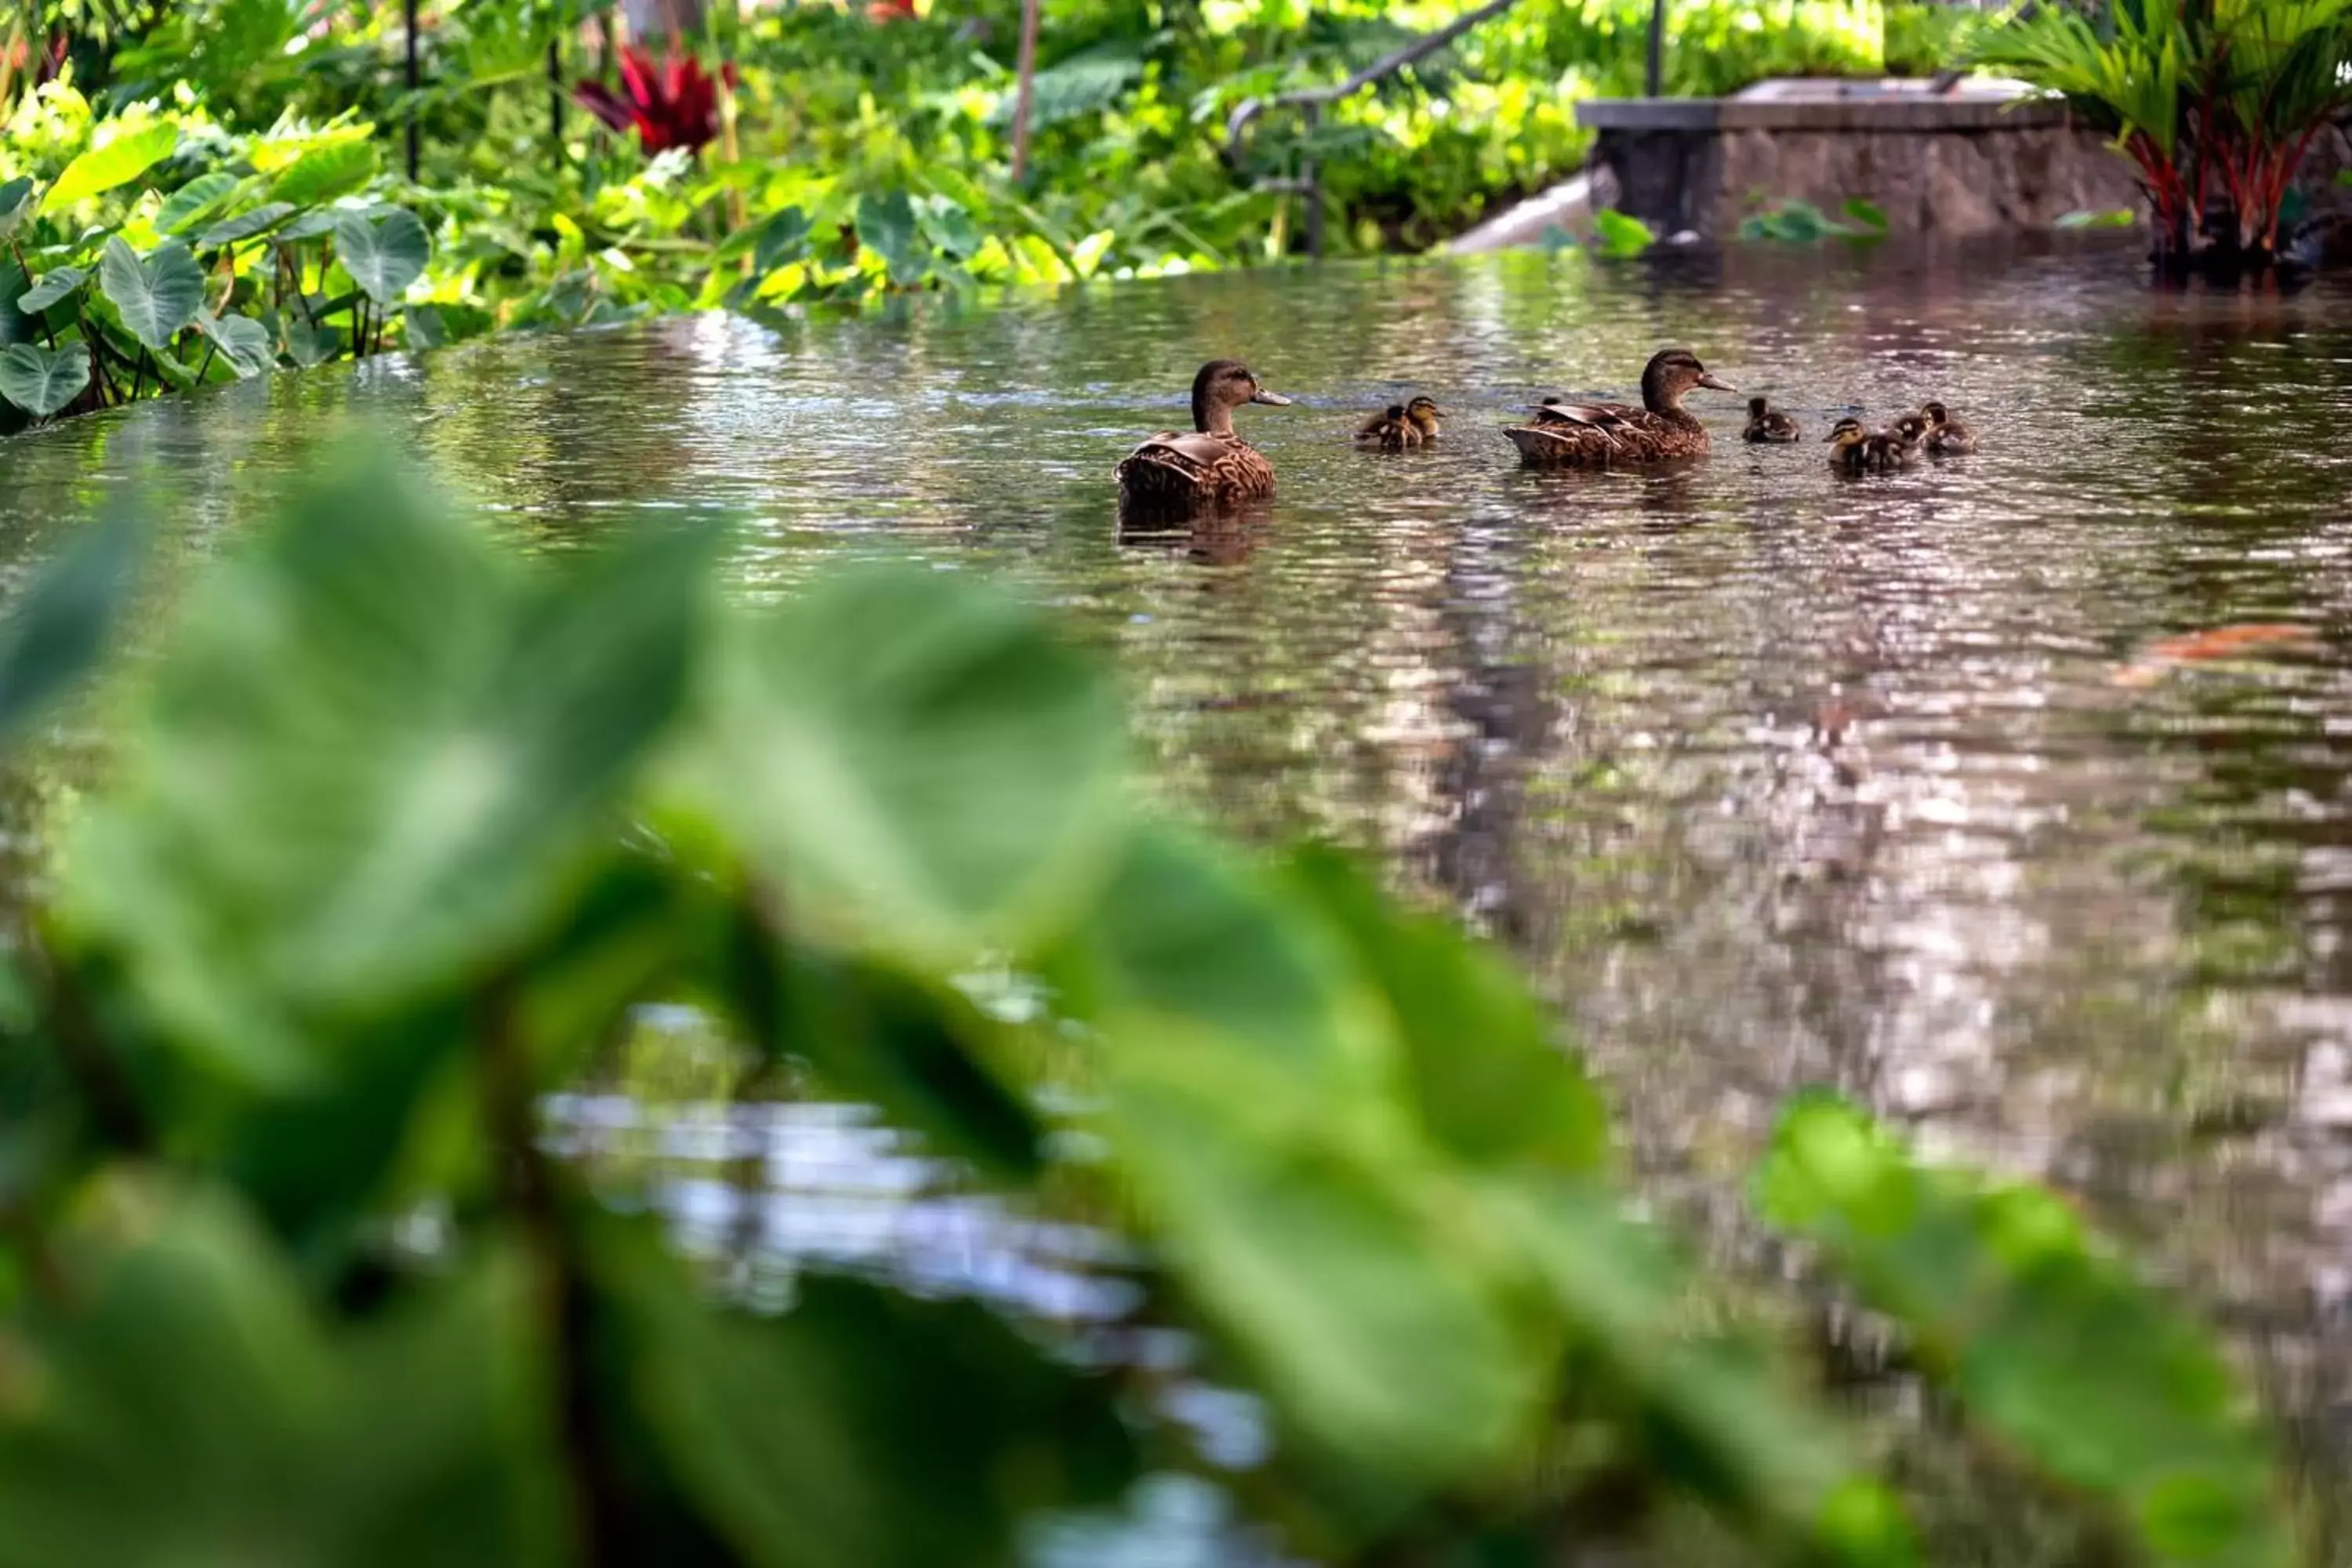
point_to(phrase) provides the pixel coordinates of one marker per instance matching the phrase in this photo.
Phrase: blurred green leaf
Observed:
(782, 237)
(433, 744)
(384, 251)
(196, 200)
(2051, 1345)
(423, 327)
(50, 287)
(886, 224)
(309, 345)
(244, 342)
(803, 1436)
(57, 627)
(158, 294)
(190, 1410)
(15, 205)
(41, 381)
(1491, 1081)
(954, 784)
(245, 224)
(2121, 217)
(1622, 234)
(322, 174)
(119, 161)
(1868, 214)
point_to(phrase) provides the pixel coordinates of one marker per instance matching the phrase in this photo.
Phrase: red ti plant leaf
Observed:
(674, 104)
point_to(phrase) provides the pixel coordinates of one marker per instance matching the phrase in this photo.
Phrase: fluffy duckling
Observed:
(1765, 423)
(1210, 465)
(1402, 425)
(1910, 432)
(1947, 436)
(1855, 448)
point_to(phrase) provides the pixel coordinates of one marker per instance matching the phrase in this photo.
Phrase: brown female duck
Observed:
(1765, 423)
(1947, 436)
(1209, 466)
(1609, 434)
(1402, 425)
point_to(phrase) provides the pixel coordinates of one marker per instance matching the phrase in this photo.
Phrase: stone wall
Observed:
(1944, 167)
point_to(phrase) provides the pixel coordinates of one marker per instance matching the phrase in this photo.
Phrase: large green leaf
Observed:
(15, 205)
(2045, 1340)
(919, 760)
(50, 287)
(325, 172)
(196, 200)
(118, 163)
(57, 627)
(244, 342)
(385, 251)
(192, 1413)
(40, 380)
(434, 743)
(886, 224)
(245, 224)
(158, 294)
(801, 1437)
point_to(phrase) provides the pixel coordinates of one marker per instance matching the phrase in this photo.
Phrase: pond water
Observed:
(1772, 778)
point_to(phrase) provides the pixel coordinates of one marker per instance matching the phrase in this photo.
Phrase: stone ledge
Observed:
(1902, 115)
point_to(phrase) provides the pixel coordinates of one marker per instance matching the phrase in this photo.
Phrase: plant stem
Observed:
(106, 1089)
(525, 1181)
(47, 330)
(209, 348)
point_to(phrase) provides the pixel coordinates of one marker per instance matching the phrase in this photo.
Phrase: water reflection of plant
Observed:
(403, 838)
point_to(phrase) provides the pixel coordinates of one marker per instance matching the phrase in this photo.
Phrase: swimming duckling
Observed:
(1947, 436)
(1603, 435)
(1765, 423)
(1210, 465)
(1910, 432)
(1855, 448)
(1403, 425)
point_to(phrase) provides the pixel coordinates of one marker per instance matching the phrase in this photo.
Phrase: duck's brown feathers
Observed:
(1194, 466)
(1599, 435)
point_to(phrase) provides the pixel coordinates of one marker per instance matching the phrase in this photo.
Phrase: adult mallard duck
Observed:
(1765, 423)
(1855, 448)
(1402, 425)
(1210, 466)
(1947, 436)
(1609, 434)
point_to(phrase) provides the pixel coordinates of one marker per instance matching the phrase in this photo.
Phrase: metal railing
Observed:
(1312, 102)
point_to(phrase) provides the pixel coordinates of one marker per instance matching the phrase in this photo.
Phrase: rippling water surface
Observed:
(1772, 778)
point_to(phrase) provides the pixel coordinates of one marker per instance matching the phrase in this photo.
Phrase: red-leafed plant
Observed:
(672, 104)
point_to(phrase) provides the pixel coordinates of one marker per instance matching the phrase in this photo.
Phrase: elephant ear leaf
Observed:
(384, 251)
(158, 294)
(40, 381)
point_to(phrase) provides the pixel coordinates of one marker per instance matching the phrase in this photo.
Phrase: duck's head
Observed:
(1424, 412)
(1935, 413)
(1223, 386)
(1672, 372)
(1757, 407)
(1847, 433)
(1911, 429)
(1394, 413)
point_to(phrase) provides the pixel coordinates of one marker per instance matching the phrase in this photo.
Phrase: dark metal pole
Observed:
(555, 94)
(1657, 70)
(408, 20)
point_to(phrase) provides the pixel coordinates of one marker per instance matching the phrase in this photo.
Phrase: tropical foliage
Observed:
(291, 1257)
(2216, 101)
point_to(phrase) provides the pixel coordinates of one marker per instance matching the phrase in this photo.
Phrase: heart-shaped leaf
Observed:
(309, 225)
(423, 327)
(118, 163)
(245, 224)
(51, 288)
(194, 200)
(385, 251)
(158, 294)
(244, 342)
(15, 204)
(325, 172)
(40, 381)
(308, 345)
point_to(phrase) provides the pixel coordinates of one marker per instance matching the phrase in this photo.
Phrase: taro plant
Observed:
(400, 836)
(2215, 101)
(141, 266)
